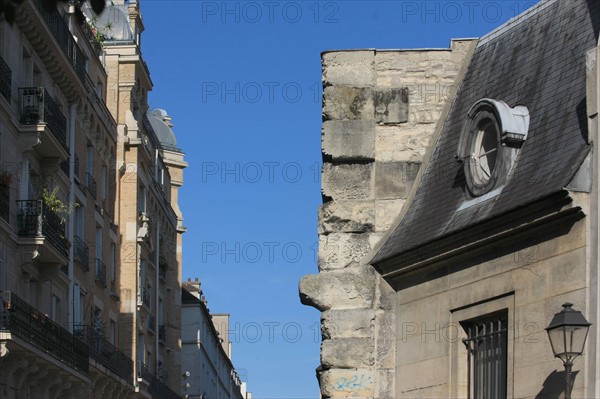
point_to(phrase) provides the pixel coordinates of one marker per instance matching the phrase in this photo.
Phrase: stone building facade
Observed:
(90, 228)
(488, 220)
(150, 172)
(60, 306)
(206, 357)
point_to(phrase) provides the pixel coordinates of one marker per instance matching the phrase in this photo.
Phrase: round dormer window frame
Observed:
(491, 136)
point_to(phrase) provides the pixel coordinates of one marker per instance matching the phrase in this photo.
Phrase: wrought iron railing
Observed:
(151, 322)
(145, 296)
(36, 219)
(5, 202)
(63, 36)
(142, 372)
(104, 352)
(100, 272)
(92, 38)
(81, 252)
(162, 333)
(5, 79)
(91, 184)
(31, 325)
(38, 107)
(64, 166)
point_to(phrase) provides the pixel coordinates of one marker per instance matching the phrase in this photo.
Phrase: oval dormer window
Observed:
(492, 134)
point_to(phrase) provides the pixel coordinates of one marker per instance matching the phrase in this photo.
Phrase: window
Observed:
(490, 140)
(487, 348)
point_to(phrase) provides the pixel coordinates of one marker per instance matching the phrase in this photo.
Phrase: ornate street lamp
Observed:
(567, 333)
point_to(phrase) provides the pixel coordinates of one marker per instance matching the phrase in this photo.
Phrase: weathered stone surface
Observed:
(349, 139)
(385, 339)
(394, 179)
(347, 290)
(347, 353)
(349, 68)
(386, 294)
(340, 250)
(402, 143)
(349, 181)
(384, 384)
(391, 105)
(347, 383)
(348, 323)
(386, 212)
(348, 102)
(346, 217)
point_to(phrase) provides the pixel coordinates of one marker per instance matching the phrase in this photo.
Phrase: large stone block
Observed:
(347, 383)
(394, 179)
(391, 106)
(386, 212)
(346, 290)
(349, 139)
(348, 102)
(385, 339)
(407, 142)
(354, 68)
(337, 251)
(346, 217)
(347, 353)
(347, 181)
(348, 323)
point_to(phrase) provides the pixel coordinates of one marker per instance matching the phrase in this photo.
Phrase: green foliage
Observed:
(51, 199)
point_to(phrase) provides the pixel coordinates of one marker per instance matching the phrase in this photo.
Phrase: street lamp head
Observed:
(567, 333)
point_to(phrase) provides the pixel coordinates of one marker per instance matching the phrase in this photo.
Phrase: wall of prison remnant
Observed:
(380, 115)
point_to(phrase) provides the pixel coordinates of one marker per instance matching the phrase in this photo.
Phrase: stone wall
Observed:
(380, 112)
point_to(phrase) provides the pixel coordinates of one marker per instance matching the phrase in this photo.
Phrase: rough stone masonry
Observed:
(380, 115)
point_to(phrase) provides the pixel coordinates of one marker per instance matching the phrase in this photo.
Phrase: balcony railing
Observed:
(26, 322)
(5, 80)
(38, 107)
(151, 322)
(81, 252)
(162, 333)
(145, 296)
(100, 273)
(104, 352)
(91, 184)
(4, 202)
(142, 372)
(91, 37)
(36, 219)
(63, 36)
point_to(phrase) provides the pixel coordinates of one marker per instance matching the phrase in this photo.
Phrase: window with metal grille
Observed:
(487, 347)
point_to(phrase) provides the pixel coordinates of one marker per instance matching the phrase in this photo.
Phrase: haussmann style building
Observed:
(460, 212)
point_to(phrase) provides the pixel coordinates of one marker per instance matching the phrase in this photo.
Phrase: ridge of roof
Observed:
(515, 21)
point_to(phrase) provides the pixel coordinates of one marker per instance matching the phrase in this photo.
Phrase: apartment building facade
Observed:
(60, 302)
(150, 173)
(206, 350)
(90, 228)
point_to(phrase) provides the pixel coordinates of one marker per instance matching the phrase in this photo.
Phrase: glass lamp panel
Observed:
(557, 341)
(575, 339)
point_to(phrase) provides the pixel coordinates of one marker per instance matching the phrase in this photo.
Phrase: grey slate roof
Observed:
(537, 61)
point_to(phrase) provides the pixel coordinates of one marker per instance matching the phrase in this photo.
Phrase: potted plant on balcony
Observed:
(57, 206)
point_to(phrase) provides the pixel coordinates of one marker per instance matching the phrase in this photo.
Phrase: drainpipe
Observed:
(71, 220)
(156, 290)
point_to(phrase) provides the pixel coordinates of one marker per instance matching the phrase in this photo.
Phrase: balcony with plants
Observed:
(42, 221)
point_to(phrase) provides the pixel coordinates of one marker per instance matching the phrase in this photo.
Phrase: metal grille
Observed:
(487, 346)
(5, 80)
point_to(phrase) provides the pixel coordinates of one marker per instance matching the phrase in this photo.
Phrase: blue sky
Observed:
(242, 82)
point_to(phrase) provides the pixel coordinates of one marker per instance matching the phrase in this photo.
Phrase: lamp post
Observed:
(567, 333)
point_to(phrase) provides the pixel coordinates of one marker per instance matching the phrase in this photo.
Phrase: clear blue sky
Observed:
(242, 81)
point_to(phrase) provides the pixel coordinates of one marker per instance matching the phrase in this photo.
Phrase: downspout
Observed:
(71, 219)
(156, 290)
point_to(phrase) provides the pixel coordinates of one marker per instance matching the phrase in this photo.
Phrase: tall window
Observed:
(487, 347)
